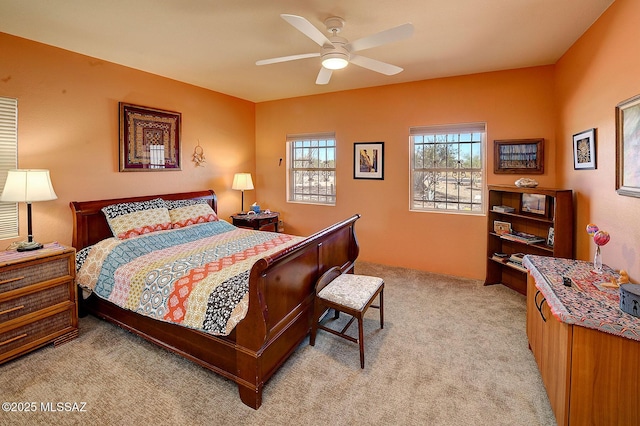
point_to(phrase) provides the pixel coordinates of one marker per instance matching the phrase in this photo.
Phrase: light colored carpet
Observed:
(452, 352)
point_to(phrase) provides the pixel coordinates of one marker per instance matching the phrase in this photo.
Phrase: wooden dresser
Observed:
(37, 299)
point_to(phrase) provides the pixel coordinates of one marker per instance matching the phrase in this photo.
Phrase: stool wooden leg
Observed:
(361, 339)
(314, 324)
(381, 308)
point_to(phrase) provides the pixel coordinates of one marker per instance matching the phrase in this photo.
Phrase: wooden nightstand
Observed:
(257, 221)
(37, 299)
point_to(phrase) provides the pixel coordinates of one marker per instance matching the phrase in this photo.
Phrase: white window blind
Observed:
(8, 161)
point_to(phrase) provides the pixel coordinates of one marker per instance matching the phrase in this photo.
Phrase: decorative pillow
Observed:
(189, 212)
(128, 220)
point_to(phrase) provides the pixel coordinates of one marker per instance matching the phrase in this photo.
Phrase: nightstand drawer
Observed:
(36, 333)
(23, 305)
(23, 276)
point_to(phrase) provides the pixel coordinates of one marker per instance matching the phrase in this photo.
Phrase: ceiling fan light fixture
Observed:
(335, 61)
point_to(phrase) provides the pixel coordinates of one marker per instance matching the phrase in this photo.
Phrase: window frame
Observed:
(451, 129)
(310, 139)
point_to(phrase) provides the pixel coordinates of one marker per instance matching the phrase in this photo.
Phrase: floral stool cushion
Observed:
(353, 291)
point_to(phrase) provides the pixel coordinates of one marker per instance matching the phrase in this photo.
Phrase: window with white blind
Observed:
(311, 163)
(447, 167)
(8, 161)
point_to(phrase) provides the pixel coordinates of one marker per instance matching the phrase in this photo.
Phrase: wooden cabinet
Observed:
(556, 211)
(591, 376)
(550, 342)
(260, 221)
(37, 299)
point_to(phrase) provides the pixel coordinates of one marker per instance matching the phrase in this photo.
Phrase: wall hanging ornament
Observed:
(198, 155)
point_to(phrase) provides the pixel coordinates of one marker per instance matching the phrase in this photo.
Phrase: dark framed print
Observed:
(534, 203)
(523, 156)
(368, 160)
(628, 147)
(584, 150)
(149, 138)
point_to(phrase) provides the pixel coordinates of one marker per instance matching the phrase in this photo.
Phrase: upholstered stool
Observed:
(348, 293)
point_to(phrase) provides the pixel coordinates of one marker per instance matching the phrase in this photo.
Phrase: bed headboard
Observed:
(90, 224)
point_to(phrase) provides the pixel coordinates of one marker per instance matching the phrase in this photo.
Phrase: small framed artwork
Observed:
(523, 156)
(149, 139)
(628, 147)
(584, 150)
(551, 236)
(501, 228)
(368, 160)
(534, 203)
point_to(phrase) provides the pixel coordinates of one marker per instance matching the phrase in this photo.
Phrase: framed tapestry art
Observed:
(524, 156)
(149, 138)
(628, 147)
(584, 150)
(368, 159)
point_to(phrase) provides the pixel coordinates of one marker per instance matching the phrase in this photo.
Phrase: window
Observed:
(447, 168)
(8, 161)
(311, 160)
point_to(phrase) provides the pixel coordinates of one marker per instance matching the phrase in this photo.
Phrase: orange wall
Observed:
(68, 123)
(600, 70)
(514, 104)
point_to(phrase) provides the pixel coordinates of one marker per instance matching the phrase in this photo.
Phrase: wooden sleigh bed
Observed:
(280, 308)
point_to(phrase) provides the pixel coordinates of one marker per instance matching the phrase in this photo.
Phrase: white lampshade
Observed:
(26, 185)
(242, 181)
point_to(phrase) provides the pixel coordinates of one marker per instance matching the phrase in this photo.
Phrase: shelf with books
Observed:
(545, 230)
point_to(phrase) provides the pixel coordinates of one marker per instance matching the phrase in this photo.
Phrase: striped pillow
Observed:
(189, 212)
(128, 220)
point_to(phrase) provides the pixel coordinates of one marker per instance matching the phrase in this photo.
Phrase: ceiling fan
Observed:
(337, 52)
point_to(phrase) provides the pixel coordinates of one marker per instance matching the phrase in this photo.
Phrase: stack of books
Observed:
(503, 209)
(523, 237)
(515, 260)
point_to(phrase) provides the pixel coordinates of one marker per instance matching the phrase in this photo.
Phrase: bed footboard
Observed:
(281, 291)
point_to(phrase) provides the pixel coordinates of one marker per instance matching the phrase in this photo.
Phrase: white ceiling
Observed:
(215, 43)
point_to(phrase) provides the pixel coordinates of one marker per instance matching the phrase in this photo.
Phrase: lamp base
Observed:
(28, 246)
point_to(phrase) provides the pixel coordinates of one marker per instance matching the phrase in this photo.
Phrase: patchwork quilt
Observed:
(196, 276)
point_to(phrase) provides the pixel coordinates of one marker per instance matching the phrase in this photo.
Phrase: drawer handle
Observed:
(6, 342)
(17, 308)
(10, 280)
(539, 306)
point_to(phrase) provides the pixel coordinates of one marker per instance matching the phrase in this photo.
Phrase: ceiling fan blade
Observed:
(374, 65)
(324, 76)
(388, 36)
(307, 28)
(287, 58)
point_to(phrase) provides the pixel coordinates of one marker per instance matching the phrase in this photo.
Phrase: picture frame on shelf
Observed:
(534, 203)
(523, 156)
(501, 228)
(551, 236)
(149, 138)
(368, 160)
(584, 150)
(628, 147)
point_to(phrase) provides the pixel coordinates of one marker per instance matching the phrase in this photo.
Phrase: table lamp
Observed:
(27, 186)
(242, 182)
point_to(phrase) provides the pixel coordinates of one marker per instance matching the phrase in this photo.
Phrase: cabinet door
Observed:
(556, 363)
(534, 321)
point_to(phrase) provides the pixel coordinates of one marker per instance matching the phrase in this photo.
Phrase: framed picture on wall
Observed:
(584, 150)
(523, 156)
(149, 139)
(628, 147)
(368, 160)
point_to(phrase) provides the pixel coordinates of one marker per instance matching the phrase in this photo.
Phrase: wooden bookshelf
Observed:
(557, 214)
